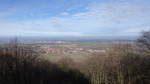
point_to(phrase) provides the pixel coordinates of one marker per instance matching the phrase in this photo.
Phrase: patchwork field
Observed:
(76, 51)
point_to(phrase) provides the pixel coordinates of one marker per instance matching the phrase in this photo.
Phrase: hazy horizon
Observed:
(37, 39)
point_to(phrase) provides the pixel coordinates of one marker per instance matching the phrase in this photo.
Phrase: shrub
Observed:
(122, 65)
(22, 66)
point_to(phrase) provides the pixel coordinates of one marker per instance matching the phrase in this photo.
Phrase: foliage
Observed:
(20, 65)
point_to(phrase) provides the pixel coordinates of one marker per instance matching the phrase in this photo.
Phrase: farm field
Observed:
(78, 52)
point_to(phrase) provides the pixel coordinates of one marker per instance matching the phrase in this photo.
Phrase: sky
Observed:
(74, 17)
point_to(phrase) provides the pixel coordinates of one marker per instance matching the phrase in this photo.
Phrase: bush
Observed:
(122, 65)
(22, 66)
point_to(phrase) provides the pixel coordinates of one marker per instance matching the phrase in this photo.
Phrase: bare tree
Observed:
(14, 43)
(144, 40)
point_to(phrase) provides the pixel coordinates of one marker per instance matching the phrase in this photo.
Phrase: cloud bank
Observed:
(98, 19)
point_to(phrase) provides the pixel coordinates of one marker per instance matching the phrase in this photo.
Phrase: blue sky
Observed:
(74, 17)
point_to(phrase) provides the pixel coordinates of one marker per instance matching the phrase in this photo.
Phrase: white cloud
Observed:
(64, 14)
(121, 18)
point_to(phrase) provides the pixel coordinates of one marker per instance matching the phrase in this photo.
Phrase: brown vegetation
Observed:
(144, 41)
(19, 65)
(123, 64)
(118, 67)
